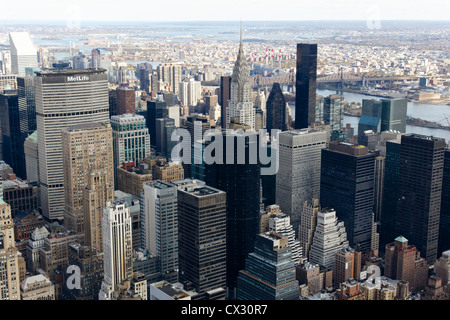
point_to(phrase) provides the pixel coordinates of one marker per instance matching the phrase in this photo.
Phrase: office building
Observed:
(281, 224)
(95, 58)
(347, 265)
(165, 128)
(117, 250)
(64, 98)
(168, 171)
(403, 262)
(308, 222)
(276, 110)
(442, 267)
(37, 287)
(420, 192)
(13, 138)
(329, 237)
(159, 225)
(298, 177)
(130, 179)
(444, 221)
(269, 272)
(242, 183)
(27, 105)
(240, 104)
(131, 139)
(30, 147)
(126, 100)
(202, 237)
(305, 85)
(144, 79)
(333, 111)
(224, 97)
(87, 151)
(20, 195)
(346, 185)
(9, 271)
(35, 242)
(23, 53)
(156, 108)
(134, 205)
(308, 275)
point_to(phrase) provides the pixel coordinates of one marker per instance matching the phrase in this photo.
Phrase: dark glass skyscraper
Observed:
(276, 109)
(155, 109)
(346, 185)
(305, 85)
(390, 193)
(444, 221)
(419, 192)
(13, 139)
(224, 96)
(241, 182)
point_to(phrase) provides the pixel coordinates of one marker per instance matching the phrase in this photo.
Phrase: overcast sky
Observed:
(188, 10)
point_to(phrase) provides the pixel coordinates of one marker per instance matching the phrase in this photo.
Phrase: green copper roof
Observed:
(33, 136)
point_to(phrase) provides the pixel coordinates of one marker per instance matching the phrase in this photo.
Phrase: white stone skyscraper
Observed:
(23, 53)
(117, 249)
(329, 237)
(241, 104)
(281, 223)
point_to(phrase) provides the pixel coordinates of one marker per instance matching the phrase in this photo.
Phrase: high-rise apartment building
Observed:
(117, 250)
(240, 104)
(95, 58)
(305, 85)
(170, 73)
(329, 237)
(298, 177)
(64, 98)
(87, 150)
(159, 225)
(202, 248)
(346, 185)
(190, 92)
(269, 272)
(23, 53)
(9, 268)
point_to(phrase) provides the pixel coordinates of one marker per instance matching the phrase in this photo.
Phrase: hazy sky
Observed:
(188, 10)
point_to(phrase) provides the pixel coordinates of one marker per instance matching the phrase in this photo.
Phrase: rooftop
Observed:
(22, 43)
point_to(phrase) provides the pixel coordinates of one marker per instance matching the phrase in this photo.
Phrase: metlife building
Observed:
(64, 98)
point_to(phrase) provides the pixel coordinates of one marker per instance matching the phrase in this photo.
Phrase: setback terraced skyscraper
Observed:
(64, 98)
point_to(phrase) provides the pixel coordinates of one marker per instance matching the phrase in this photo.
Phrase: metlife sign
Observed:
(77, 78)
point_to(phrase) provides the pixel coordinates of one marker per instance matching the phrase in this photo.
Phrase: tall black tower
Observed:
(305, 85)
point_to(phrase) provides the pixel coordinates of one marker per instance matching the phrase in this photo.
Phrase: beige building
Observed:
(37, 287)
(131, 180)
(307, 226)
(270, 211)
(9, 266)
(168, 171)
(87, 149)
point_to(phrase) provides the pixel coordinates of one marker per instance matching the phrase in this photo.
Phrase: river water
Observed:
(425, 111)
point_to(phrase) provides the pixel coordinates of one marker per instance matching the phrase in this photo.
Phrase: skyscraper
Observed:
(95, 61)
(9, 268)
(87, 149)
(240, 104)
(190, 92)
(346, 185)
(276, 109)
(126, 100)
(444, 221)
(420, 192)
(202, 236)
(117, 249)
(159, 225)
(333, 111)
(23, 53)
(308, 224)
(329, 237)
(298, 177)
(269, 272)
(224, 97)
(131, 138)
(305, 85)
(170, 73)
(64, 98)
